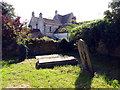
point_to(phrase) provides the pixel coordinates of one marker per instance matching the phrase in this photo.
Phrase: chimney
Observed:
(56, 12)
(33, 14)
(40, 15)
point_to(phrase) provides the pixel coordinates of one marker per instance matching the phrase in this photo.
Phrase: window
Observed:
(44, 28)
(50, 29)
(30, 26)
(36, 26)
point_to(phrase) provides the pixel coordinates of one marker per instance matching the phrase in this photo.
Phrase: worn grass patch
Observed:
(24, 73)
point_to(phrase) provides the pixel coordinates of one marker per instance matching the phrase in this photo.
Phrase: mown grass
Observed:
(25, 73)
(66, 76)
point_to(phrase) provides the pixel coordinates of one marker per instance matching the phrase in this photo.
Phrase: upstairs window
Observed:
(30, 26)
(50, 29)
(36, 26)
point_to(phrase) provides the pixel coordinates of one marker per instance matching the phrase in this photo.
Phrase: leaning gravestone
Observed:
(84, 55)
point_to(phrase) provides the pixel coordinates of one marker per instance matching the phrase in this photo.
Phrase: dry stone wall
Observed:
(102, 49)
(38, 47)
(46, 47)
(12, 49)
(43, 47)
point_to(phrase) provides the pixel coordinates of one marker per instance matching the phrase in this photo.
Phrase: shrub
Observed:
(106, 29)
(97, 30)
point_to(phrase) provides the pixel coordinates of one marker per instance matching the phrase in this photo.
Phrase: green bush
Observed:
(115, 84)
(106, 29)
(97, 30)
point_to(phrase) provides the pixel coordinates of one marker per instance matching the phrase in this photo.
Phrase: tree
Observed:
(113, 15)
(7, 9)
(14, 31)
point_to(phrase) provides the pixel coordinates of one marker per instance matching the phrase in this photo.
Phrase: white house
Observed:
(48, 27)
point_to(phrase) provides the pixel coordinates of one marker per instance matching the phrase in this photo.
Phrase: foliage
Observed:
(17, 31)
(69, 29)
(115, 84)
(95, 31)
(7, 9)
(14, 31)
(6, 29)
(113, 15)
(84, 31)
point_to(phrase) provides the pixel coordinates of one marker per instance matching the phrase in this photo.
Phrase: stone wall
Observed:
(48, 46)
(103, 50)
(12, 49)
(116, 52)
(38, 47)
(43, 47)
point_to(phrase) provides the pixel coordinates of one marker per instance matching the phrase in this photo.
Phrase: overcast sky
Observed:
(84, 10)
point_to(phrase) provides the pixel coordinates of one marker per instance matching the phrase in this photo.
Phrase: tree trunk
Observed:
(26, 51)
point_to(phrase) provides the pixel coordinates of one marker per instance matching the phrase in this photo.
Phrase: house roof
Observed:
(35, 20)
(46, 21)
(35, 30)
(51, 22)
(63, 18)
(36, 33)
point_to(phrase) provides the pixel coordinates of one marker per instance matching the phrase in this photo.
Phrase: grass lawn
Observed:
(24, 74)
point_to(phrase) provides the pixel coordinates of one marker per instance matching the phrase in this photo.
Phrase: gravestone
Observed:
(48, 61)
(84, 55)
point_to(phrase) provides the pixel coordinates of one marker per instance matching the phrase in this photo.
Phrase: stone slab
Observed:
(55, 59)
(47, 56)
(46, 61)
